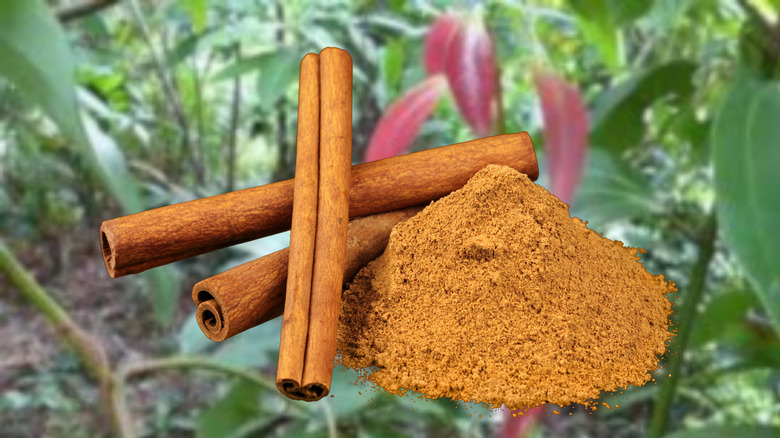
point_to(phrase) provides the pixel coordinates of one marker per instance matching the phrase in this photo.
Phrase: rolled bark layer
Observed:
(145, 240)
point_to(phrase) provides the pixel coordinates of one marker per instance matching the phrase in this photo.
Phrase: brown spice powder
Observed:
(495, 294)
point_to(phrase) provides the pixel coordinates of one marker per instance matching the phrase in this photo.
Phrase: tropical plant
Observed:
(655, 120)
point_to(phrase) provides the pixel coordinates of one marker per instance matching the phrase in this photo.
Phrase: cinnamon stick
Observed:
(330, 247)
(152, 238)
(295, 324)
(254, 292)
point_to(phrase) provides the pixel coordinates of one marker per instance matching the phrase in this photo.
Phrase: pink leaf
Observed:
(399, 125)
(470, 65)
(520, 426)
(565, 120)
(439, 36)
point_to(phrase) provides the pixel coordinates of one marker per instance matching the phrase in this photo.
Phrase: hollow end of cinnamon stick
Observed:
(107, 251)
(315, 391)
(293, 390)
(210, 317)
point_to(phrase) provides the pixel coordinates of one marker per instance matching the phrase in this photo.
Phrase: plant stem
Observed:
(150, 366)
(686, 317)
(91, 356)
(90, 353)
(178, 362)
(235, 115)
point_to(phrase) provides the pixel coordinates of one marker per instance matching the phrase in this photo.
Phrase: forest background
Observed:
(658, 121)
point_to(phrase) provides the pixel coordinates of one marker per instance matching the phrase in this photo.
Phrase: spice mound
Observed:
(495, 294)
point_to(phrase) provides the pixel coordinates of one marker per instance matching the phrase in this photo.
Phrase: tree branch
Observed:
(90, 353)
(80, 10)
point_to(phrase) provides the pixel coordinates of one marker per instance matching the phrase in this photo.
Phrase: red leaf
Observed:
(520, 426)
(565, 120)
(470, 65)
(398, 127)
(439, 36)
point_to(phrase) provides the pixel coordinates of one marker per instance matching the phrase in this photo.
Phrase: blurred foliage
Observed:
(136, 104)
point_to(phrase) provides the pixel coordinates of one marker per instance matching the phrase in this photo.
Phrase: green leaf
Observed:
(256, 347)
(164, 292)
(666, 14)
(385, 429)
(745, 139)
(198, 12)
(348, 394)
(184, 49)
(276, 76)
(614, 12)
(691, 130)
(247, 64)
(110, 164)
(611, 191)
(606, 39)
(191, 339)
(37, 60)
(618, 113)
(723, 313)
(393, 64)
(277, 72)
(601, 20)
(750, 341)
(727, 432)
(5, 200)
(630, 396)
(240, 406)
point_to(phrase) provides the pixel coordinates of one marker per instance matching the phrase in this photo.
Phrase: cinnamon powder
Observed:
(495, 294)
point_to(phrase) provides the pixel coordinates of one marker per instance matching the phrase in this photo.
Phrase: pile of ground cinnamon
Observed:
(495, 294)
